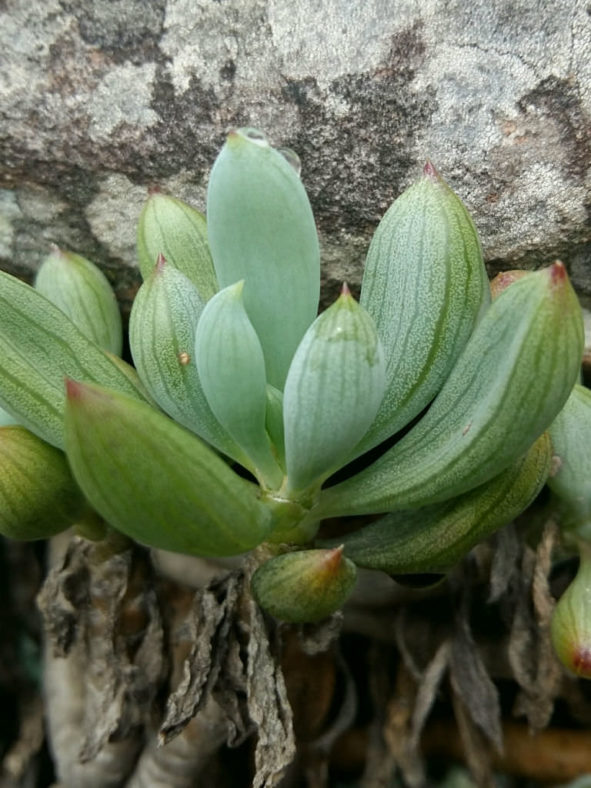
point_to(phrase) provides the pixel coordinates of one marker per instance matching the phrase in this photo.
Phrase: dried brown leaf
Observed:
(209, 625)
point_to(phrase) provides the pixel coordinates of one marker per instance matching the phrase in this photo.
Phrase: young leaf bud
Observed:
(571, 621)
(38, 496)
(172, 228)
(305, 586)
(83, 293)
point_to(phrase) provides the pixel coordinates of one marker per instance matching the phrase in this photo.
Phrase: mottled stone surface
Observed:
(100, 99)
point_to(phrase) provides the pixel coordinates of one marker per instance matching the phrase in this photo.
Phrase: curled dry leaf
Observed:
(100, 608)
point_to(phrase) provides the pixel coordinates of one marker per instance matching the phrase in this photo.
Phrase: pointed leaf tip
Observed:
(73, 389)
(154, 189)
(345, 289)
(429, 170)
(333, 559)
(160, 262)
(557, 273)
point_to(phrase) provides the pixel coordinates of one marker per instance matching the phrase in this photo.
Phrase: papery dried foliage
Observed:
(234, 663)
(532, 659)
(101, 609)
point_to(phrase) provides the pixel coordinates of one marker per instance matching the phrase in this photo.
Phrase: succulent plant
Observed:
(242, 404)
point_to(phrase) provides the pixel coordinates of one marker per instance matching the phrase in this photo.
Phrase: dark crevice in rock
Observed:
(381, 103)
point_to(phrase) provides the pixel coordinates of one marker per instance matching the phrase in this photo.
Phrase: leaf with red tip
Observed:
(512, 379)
(155, 481)
(162, 326)
(425, 286)
(332, 393)
(174, 229)
(304, 586)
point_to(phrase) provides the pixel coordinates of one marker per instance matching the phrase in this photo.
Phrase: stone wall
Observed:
(99, 99)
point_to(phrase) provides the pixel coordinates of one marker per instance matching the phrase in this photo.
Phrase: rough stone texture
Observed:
(101, 98)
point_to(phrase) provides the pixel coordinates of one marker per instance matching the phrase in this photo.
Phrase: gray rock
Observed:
(100, 99)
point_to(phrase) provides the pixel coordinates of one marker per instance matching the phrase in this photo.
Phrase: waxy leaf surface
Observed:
(571, 438)
(232, 372)
(333, 390)
(39, 345)
(83, 293)
(38, 495)
(425, 286)
(162, 328)
(155, 481)
(171, 228)
(262, 231)
(435, 538)
(512, 379)
(304, 586)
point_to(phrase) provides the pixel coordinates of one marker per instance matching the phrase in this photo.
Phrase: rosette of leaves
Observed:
(243, 402)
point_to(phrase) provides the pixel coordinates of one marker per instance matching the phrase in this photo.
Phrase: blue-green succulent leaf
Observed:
(39, 345)
(436, 537)
(262, 231)
(38, 495)
(571, 438)
(425, 286)
(162, 339)
(333, 390)
(512, 379)
(171, 228)
(83, 293)
(231, 368)
(155, 481)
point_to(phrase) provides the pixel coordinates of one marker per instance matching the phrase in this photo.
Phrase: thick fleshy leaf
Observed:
(274, 423)
(38, 496)
(39, 345)
(435, 538)
(512, 379)
(171, 228)
(571, 439)
(83, 293)
(155, 481)
(162, 327)
(425, 286)
(261, 230)
(6, 420)
(231, 368)
(304, 586)
(332, 393)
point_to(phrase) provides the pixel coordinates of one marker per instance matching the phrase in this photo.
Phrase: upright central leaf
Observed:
(332, 393)
(261, 230)
(232, 372)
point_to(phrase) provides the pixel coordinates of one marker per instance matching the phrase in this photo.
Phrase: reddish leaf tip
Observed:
(333, 558)
(153, 188)
(160, 262)
(345, 289)
(582, 661)
(558, 273)
(73, 389)
(429, 170)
